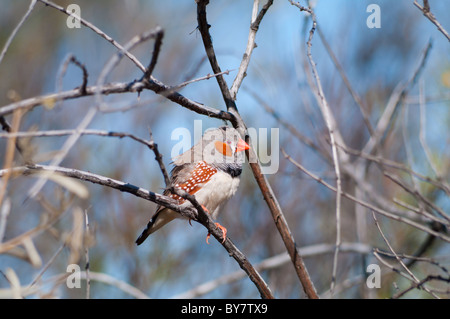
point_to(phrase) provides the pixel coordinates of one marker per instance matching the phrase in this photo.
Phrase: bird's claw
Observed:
(224, 233)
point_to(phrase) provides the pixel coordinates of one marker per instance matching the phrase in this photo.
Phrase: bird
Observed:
(210, 171)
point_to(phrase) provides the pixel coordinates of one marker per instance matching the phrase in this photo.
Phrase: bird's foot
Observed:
(224, 233)
(206, 211)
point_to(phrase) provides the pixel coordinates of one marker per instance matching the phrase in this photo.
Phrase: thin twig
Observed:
(109, 280)
(418, 285)
(10, 150)
(422, 131)
(254, 26)
(47, 265)
(427, 13)
(86, 254)
(290, 127)
(332, 128)
(150, 144)
(98, 31)
(410, 273)
(394, 101)
(5, 209)
(407, 276)
(72, 59)
(85, 74)
(16, 29)
(203, 27)
(155, 54)
(344, 77)
(420, 197)
(117, 57)
(19, 239)
(367, 205)
(390, 163)
(68, 144)
(94, 276)
(158, 157)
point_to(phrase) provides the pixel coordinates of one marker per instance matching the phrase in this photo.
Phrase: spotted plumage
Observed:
(201, 174)
(210, 171)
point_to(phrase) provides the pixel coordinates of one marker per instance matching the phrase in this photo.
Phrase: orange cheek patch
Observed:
(223, 148)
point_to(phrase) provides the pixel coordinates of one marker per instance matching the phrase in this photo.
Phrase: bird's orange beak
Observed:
(241, 146)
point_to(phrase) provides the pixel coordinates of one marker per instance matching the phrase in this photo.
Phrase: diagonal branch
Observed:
(196, 213)
(254, 26)
(16, 29)
(410, 273)
(427, 13)
(344, 77)
(266, 190)
(205, 219)
(394, 102)
(117, 88)
(98, 31)
(368, 205)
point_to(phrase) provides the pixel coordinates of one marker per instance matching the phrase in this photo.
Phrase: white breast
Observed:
(217, 191)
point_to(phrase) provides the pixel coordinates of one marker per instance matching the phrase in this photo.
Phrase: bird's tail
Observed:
(158, 220)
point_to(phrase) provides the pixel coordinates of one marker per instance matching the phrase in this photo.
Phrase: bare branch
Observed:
(5, 209)
(68, 144)
(86, 254)
(156, 50)
(418, 196)
(418, 285)
(263, 184)
(332, 131)
(116, 58)
(422, 129)
(74, 60)
(16, 29)
(110, 280)
(203, 27)
(150, 144)
(99, 32)
(394, 101)
(389, 163)
(368, 205)
(344, 77)
(10, 150)
(427, 13)
(61, 73)
(197, 213)
(117, 88)
(206, 220)
(254, 26)
(414, 278)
